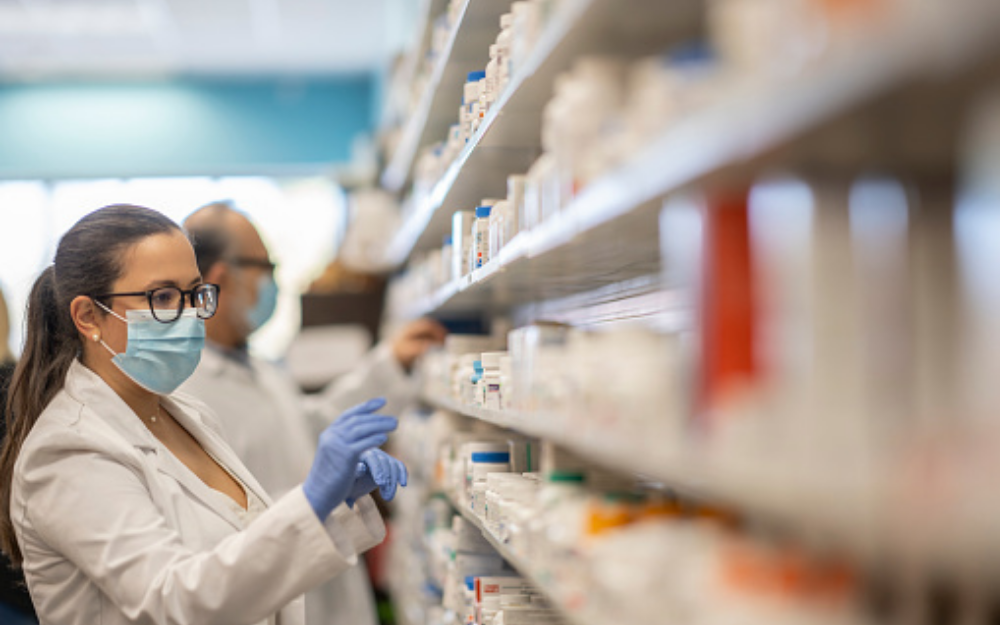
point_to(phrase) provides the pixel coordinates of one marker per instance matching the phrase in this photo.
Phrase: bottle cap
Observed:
(476, 76)
(482, 211)
(564, 476)
(491, 457)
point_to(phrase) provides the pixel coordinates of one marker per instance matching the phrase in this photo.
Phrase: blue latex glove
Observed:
(377, 469)
(340, 447)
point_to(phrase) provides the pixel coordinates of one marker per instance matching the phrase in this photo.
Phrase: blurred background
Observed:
(173, 105)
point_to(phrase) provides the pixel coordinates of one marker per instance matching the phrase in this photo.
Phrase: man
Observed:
(268, 421)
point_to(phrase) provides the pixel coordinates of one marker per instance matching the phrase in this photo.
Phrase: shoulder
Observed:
(68, 428)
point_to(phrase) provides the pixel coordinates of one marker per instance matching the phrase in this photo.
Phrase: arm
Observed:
(383, 372)
(97, 511)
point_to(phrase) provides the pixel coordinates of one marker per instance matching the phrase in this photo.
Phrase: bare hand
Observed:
(415, 339)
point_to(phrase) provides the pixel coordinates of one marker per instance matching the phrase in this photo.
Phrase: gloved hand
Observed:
(377, 469)
(340, 447)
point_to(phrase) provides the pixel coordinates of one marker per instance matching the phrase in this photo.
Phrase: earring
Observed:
(97, 337)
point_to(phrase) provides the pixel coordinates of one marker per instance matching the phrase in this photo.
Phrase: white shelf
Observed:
(738, 135)
(467, 50)
(414, 56)
(607, 448)
(509, 138)
(828, 510)
(523, 566)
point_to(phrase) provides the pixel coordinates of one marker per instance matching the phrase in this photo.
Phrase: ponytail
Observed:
(50, 346)
(89, 259)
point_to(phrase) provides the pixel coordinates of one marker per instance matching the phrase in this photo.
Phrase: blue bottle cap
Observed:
(483, 211)
(476, 76)
(491, 457)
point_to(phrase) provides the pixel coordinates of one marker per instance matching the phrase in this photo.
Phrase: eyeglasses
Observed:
(259, 263)
(167, 302)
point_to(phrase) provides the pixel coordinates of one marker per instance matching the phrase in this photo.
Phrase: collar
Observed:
(88, 388)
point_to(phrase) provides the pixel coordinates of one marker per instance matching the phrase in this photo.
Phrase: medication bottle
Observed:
(503, 52)
(447, 258)
(515, 202)
(489, 387)
(461, 227)
(498, 216)
(473, 449)
(474, 380)
(470, 101)
(489, 95)
(481, 237)
(483, 463)
(506, 388)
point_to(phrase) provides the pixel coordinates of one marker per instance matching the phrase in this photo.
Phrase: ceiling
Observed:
(113, 39)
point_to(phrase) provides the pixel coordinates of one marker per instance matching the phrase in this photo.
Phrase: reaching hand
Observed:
(415, 339)
(377, 469)
(341, 446)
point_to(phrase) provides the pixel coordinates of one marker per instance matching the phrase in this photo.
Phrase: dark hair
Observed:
(89, 259)
(207, 232)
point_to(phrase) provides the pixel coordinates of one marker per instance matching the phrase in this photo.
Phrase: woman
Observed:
(119, 498)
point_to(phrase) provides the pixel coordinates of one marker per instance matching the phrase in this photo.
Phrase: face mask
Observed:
(160, 356)
(267, 299)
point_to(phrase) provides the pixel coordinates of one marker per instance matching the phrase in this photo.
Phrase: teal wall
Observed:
(181, 128)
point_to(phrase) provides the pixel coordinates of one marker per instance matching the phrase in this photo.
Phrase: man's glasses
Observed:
(167, 302)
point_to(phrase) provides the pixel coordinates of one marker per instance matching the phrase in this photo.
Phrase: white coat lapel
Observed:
(92, 391)
(186, 414)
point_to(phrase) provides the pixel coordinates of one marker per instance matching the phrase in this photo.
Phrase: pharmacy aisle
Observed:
(732, 264)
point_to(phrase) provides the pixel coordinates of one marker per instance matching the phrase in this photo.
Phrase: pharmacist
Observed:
(269, 422)
(121, 498)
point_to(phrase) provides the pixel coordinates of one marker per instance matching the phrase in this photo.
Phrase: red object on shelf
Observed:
(727, 302)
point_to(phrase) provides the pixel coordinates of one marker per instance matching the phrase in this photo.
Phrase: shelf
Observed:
(605, 449)
(596, 252)
(509, 139)
(467, 50)
(735, 137)
(523, 567)
(429, 9)
(829, 507)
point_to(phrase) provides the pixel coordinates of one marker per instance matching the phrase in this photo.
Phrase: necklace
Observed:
(152, 418)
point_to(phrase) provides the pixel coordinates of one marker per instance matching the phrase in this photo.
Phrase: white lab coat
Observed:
(115, 530)
(274, 429)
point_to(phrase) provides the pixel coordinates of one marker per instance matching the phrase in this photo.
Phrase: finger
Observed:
(371, 425)
(434, 330)
(404, 477)
(360, 470)
(364, 444)
(383, 471)
(388, 490)
(367, 407)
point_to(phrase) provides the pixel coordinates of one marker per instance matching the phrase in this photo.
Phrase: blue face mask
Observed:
(267, 299)
(160, 356)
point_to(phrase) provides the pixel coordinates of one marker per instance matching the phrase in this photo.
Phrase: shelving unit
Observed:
(467, 50)
(604, 247)
(832, 515)
(740, 134)
(508, 140)
(522, 566)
